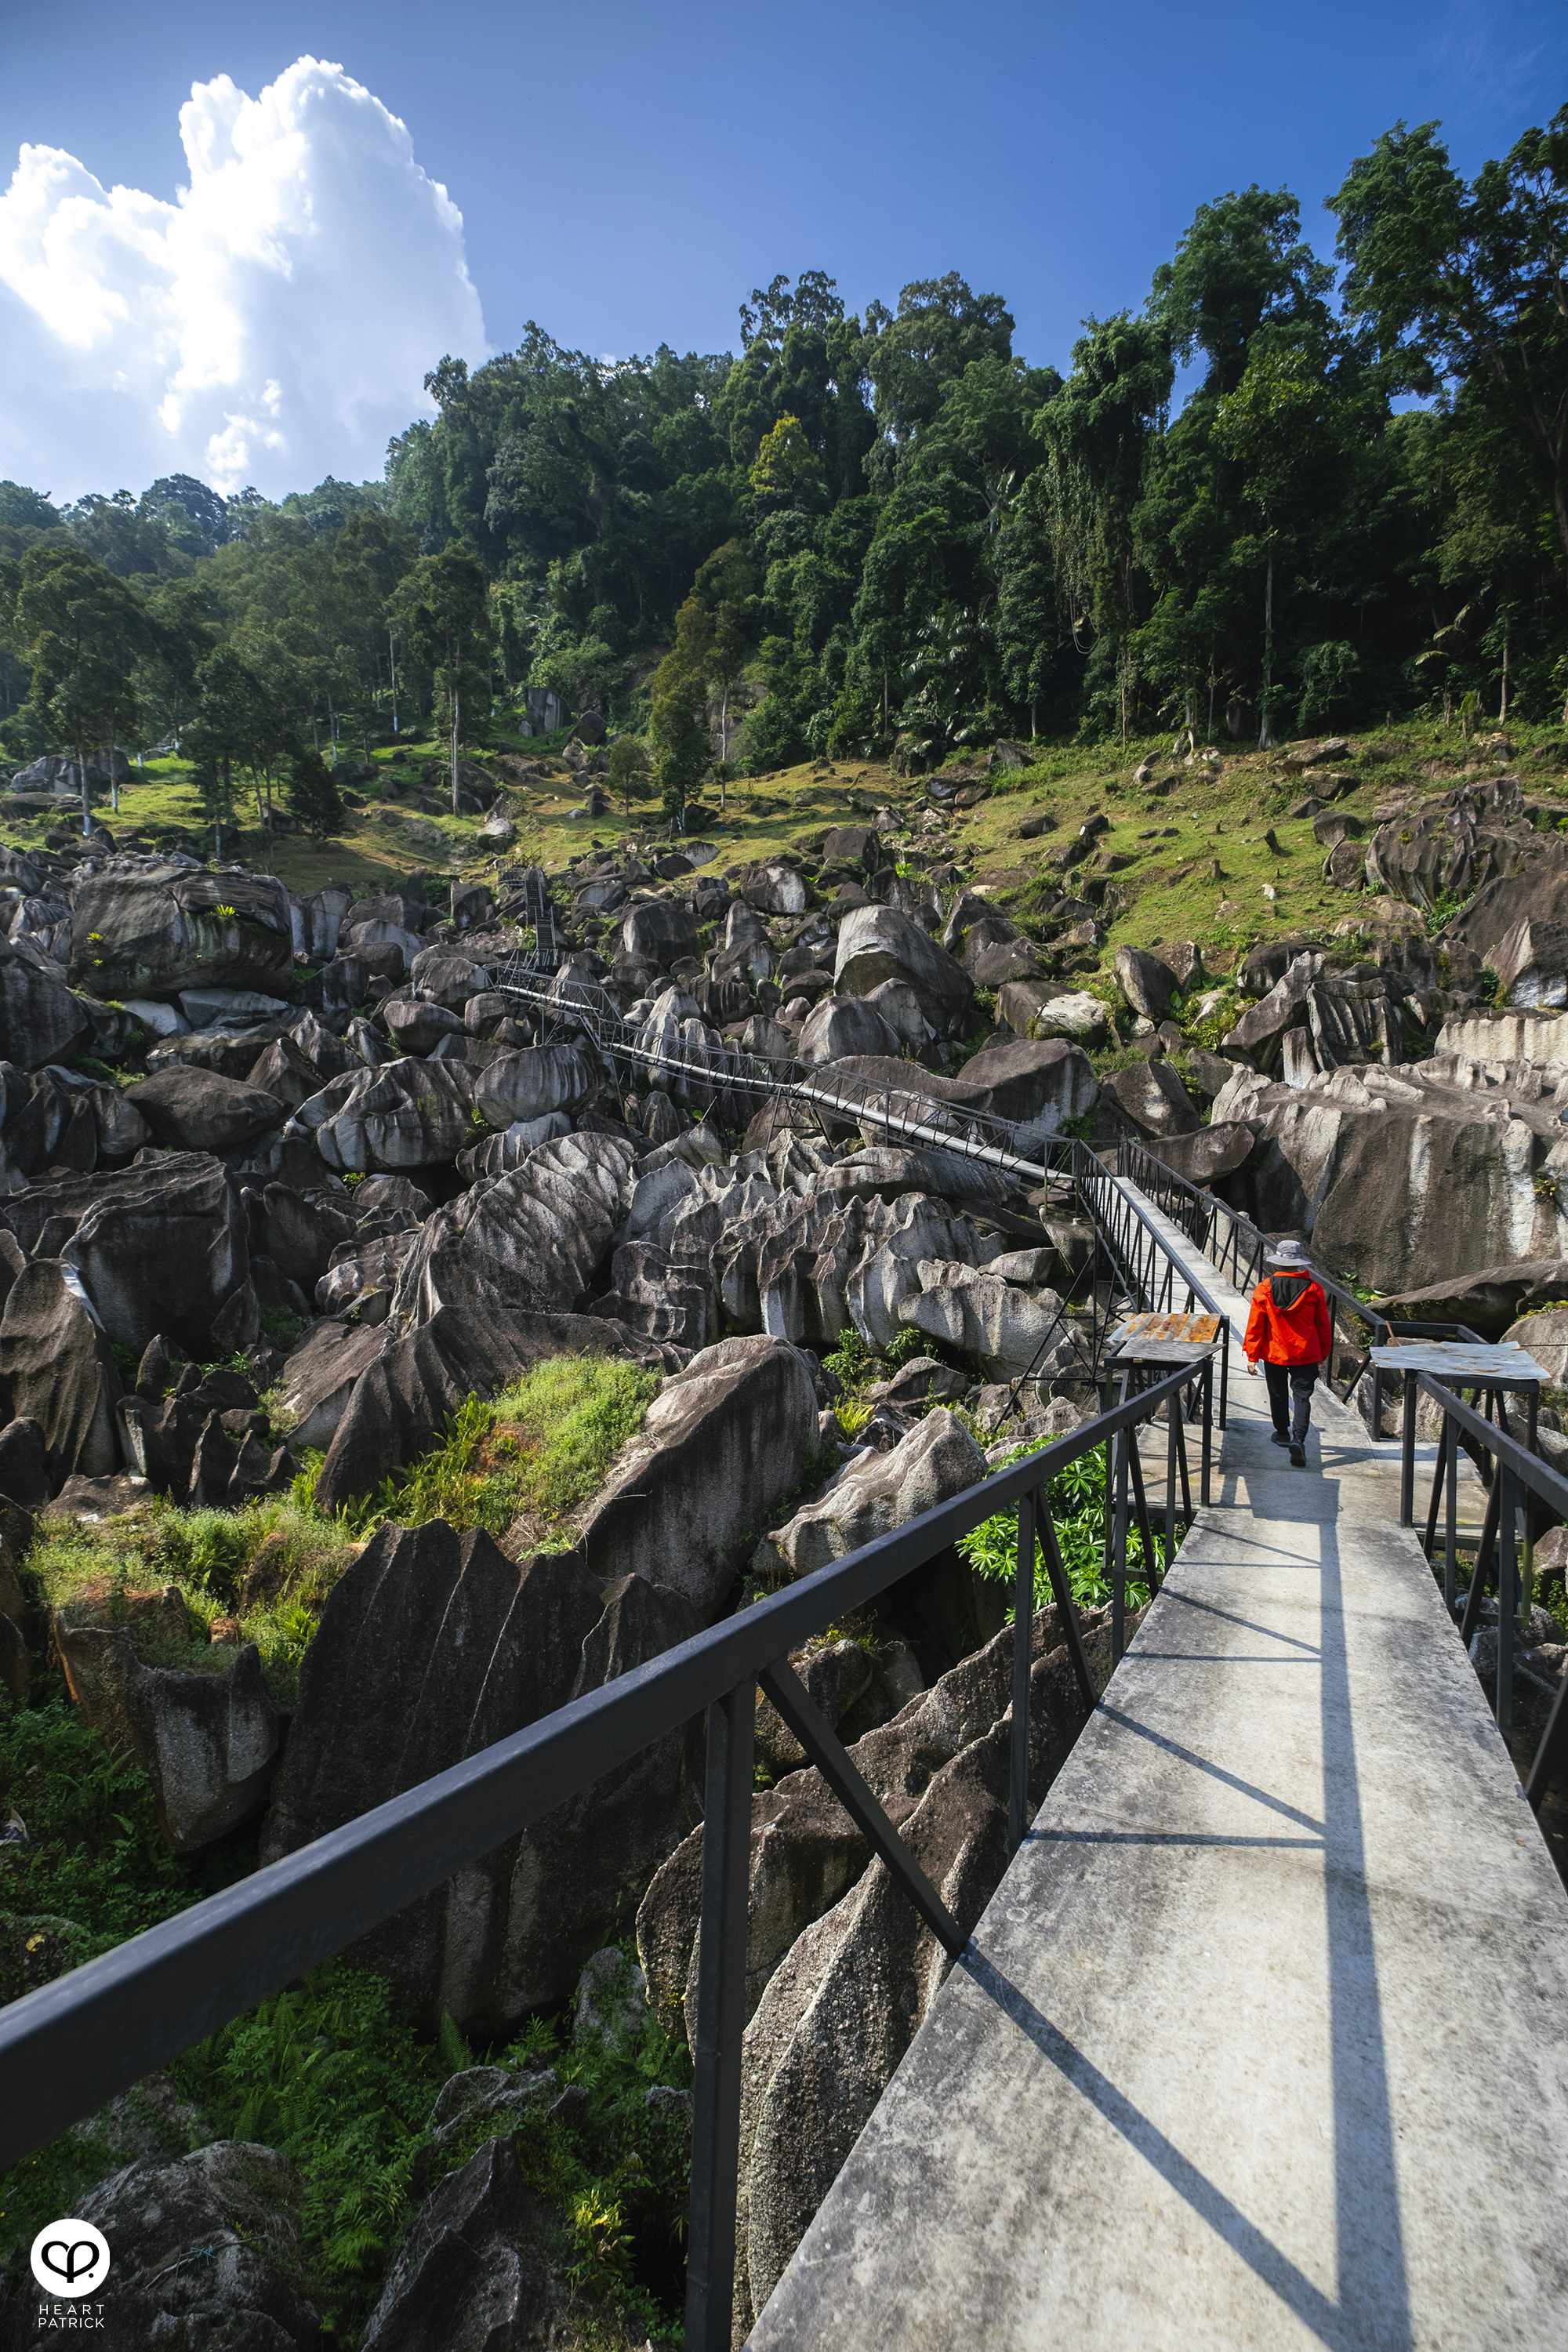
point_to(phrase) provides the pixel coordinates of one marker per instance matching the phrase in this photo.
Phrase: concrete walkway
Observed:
(1263, 2041)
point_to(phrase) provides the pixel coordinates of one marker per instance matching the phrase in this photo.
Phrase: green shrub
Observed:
(1076, 1500)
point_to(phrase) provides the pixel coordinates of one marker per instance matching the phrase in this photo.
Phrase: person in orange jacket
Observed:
(1288, 1326)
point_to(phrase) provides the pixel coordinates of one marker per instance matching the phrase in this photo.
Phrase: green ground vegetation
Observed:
(534, 1452)
(1076, 1499)
(335, 2077)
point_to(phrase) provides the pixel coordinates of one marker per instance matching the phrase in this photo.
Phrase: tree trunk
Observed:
(1265, 733)
(1502, 714)
(456, 721)
(392, 664)
(86, 795)
(332, 727)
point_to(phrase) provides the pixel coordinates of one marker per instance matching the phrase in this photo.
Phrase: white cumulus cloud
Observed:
(272, 326)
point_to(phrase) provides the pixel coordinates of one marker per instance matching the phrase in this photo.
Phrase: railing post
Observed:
(1507, 1590)
(1407, 1455)
(1451, 1512)
(721, 2019)
(1023, 1651)
(1119, 1553)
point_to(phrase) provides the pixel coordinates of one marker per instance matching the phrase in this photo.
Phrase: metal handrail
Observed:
(1162, 1184)
(1516, 1467)
(1089, 1174)
(925, 1119)
(73, 2044)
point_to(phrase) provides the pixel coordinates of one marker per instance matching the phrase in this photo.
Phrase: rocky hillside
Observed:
(380, 1366)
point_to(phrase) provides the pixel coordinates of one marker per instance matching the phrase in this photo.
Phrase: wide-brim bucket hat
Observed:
(1292, 1253)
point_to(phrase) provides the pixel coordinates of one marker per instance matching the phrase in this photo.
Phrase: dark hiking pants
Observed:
(1291, 1397)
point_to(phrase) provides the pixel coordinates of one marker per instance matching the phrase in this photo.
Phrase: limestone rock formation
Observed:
(431, 1647)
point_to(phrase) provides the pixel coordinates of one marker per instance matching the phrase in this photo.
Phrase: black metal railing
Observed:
(72, 2044)
(1518, 1477)
(1153, 1278)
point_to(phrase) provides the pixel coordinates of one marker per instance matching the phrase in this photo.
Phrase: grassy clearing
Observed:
(268, 1568)
(534, 1452)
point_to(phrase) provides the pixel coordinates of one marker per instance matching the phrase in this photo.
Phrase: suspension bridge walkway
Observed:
(1262, 2040)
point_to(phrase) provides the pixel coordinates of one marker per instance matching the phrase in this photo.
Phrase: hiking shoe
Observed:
(1280, 1438)
(1298, 1453)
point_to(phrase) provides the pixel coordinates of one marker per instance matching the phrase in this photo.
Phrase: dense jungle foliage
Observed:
(890, 533)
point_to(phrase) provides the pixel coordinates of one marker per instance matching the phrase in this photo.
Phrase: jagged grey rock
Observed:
(877, 943)
(41, 1020)
(56, 1369)
(407, 1114)
(244, 2206)
(938, 1460)
(530, 1238)
(152, 927)
(206, 1741)
(402, 1399)
(725, 1438)
(195, 1110)
(431, 1647)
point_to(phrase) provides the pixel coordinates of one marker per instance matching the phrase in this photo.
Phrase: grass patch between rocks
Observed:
(536, 1453)
(267, 1568)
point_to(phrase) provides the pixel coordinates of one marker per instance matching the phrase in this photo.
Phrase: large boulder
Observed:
(1147, 982)
(659, 930)
(878, 943)
(936, 1461)
(244, 2207)
(1205, 1155)
(159, 1247)
(195, 1110)
(205, 1739)
(41, 1020)
(320, 1378)
(1258, 1036)
(54, 1119)
(1545, 1336)
(1042, 1008)
(56, 1369)
(1453, 843)
(400, 1401)
(431, 1647)
(539, 1081)
(1405, 1177)
(841, 1025)
(475, 2271)
(723, 1441)
(151, 927)
(1003, 1328)
(530, 1238)
(1151, 1095)
(1485, 1302)
(1038, 1085)
(407, 1114)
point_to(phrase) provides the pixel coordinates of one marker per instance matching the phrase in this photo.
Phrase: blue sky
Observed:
(626, 174)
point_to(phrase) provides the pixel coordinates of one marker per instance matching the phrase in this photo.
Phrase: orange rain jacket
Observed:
(1290, 1321)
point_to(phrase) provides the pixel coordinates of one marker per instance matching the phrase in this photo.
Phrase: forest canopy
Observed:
(890, 534)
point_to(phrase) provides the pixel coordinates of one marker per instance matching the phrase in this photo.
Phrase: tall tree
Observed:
(678, 730)
(442, 610)
(1463, 284)
(83, 632)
